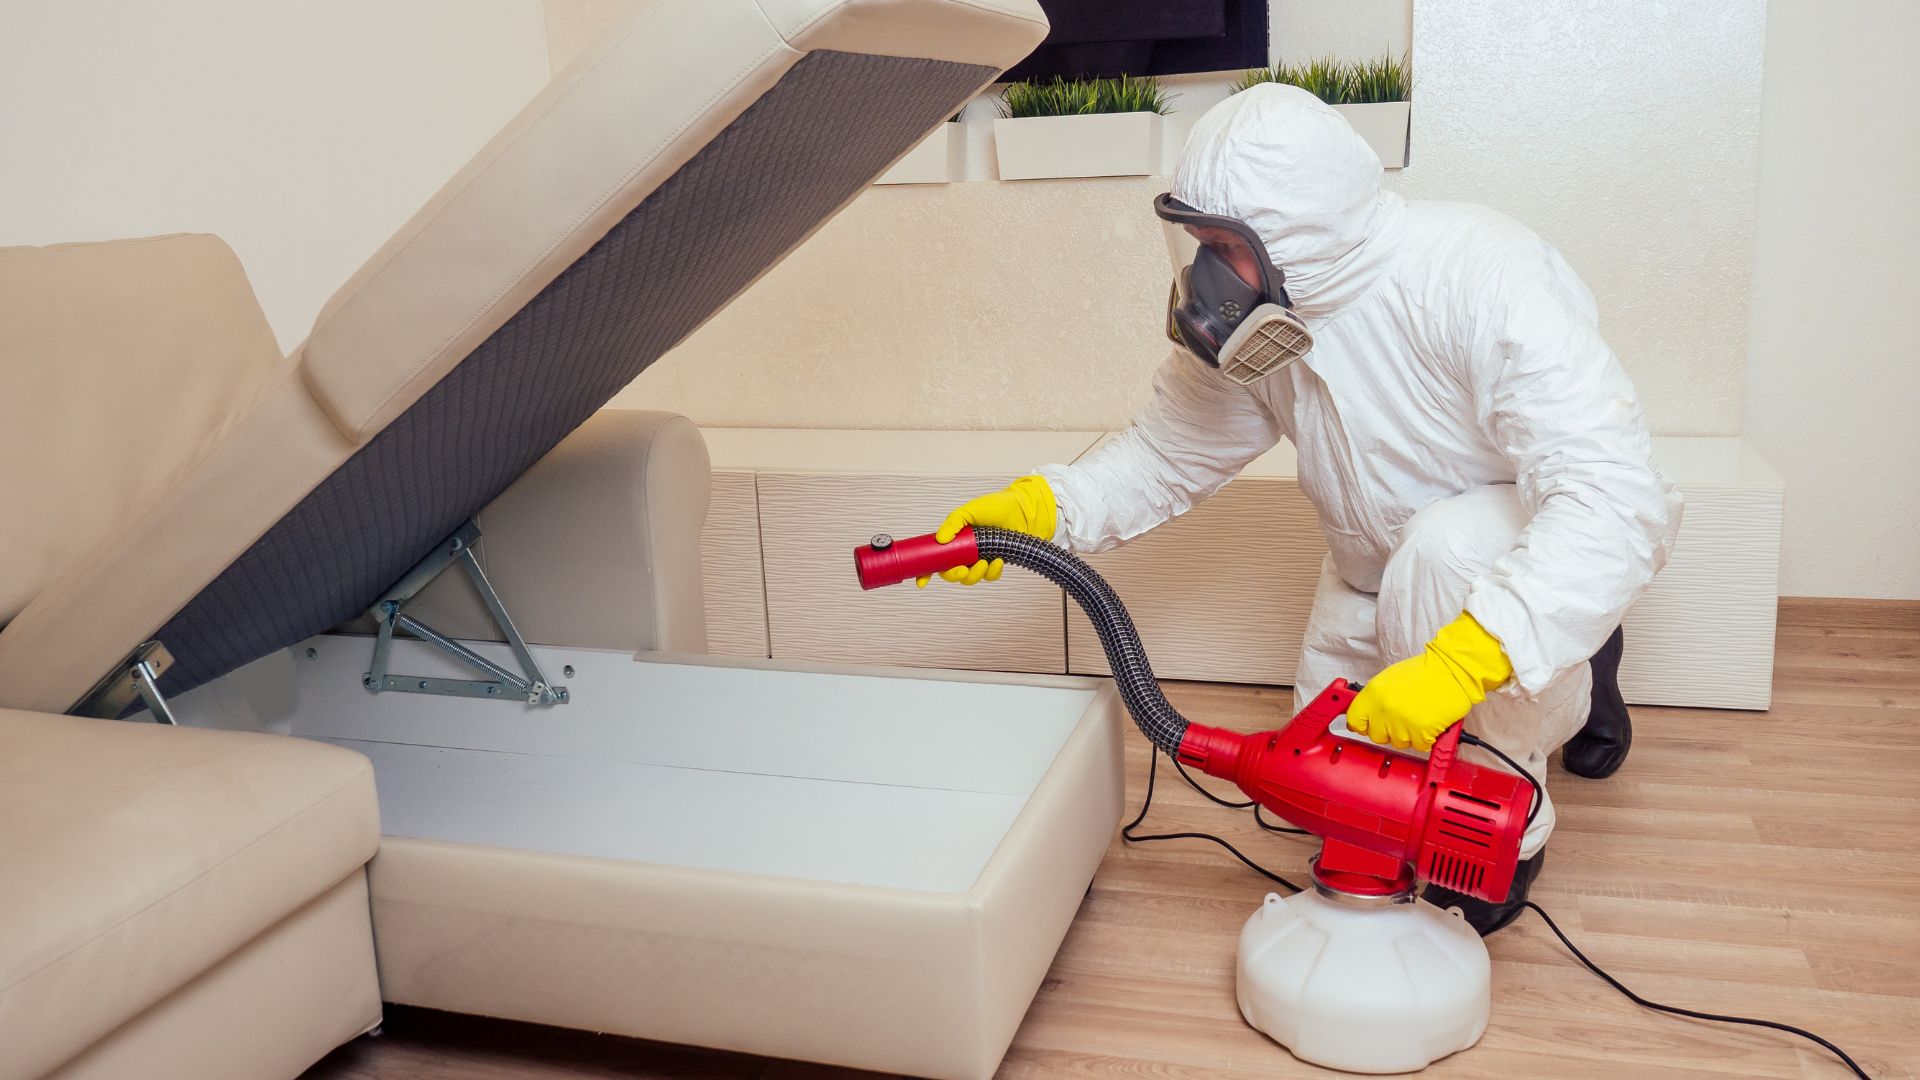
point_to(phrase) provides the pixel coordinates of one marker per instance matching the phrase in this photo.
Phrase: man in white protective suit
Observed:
(1478, 457)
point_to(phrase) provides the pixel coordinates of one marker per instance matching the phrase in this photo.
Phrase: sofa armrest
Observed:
(597, 546)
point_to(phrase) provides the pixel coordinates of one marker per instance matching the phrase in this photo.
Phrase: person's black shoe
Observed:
(1483, 915)
(1601, 746)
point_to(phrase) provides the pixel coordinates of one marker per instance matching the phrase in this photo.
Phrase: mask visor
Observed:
(1222, 275)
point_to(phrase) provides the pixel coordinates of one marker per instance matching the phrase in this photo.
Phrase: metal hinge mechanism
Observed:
(389, 612)
(135, 677)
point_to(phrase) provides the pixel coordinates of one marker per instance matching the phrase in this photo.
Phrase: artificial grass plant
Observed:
(1082, 97)
(1340, 83)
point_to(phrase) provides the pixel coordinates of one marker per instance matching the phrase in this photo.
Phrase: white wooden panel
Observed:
(730, 568)
(1221, 593)
(811, 522)
(1209, 608)
(1703, 633)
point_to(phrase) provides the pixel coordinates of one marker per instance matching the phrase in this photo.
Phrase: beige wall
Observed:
(961, 306)
(1628, 136)
(1037, 304)
(1833, 386)
(971, 305)
(303, 134)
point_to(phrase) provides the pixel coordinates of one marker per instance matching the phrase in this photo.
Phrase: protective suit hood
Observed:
(1284, 162)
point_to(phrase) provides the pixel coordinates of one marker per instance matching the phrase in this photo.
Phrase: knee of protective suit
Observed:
(1465, 533)
(1441, 551)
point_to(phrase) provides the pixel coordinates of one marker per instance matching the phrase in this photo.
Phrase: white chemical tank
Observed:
(1373, 985)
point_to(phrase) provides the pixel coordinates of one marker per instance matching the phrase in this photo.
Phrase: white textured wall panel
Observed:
(1302, 29)
(1628, 136)
(1703, 634)
(730, 568)
(1221, 593)
(816, 610)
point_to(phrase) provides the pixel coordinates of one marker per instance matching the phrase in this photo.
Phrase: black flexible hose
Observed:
(1132, 675)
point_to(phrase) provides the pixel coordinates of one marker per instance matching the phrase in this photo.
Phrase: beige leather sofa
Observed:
(180, 903)
(194, 904)
(175, 903)
(864, 867)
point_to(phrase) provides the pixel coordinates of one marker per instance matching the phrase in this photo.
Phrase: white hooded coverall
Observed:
(1470, 442)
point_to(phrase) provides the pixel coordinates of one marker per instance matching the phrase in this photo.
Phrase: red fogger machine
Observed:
(1386, 817)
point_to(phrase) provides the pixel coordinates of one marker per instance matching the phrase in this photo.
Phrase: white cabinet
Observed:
(730, 567)
(820, 494)
(1703, 633)
(1220, 594)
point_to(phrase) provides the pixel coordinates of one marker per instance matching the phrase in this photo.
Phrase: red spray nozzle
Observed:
(886, 561)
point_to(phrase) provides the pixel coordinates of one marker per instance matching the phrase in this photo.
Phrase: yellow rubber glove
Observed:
(1025, 506)
(1412, 702)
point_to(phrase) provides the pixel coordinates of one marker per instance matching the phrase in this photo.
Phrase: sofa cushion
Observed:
(139, 855)
(119, 363)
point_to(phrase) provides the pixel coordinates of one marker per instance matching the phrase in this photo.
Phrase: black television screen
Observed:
(1147, 37)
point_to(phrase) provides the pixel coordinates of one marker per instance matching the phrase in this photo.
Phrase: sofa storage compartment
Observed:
(865, 867)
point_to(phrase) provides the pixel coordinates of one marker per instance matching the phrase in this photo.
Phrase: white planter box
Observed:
(1106, 144)
(940, 158)
(1384, 125)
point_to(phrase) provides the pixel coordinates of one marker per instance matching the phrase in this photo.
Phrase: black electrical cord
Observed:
(1127, 833)
(1230, 804)
(1263, 823)
(1539, 793)
(1690, 1013)
(1539, 798)
(1195, 785)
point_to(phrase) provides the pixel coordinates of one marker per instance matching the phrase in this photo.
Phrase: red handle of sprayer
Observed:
(886, 561)
(1333, 702)
(1216, 752)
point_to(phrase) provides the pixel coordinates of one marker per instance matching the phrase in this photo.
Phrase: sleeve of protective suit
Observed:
(1555, 400)
(1196, 434)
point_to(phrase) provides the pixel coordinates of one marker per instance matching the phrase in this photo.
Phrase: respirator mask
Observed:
(1228, 305)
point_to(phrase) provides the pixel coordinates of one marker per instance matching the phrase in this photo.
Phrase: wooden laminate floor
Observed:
(1757, 863)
